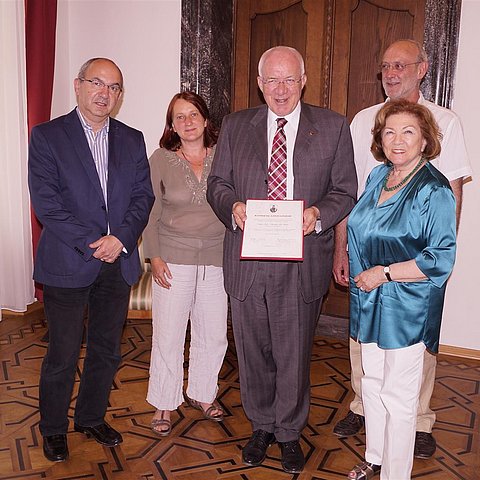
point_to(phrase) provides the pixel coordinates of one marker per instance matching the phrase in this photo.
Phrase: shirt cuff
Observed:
(234, 223)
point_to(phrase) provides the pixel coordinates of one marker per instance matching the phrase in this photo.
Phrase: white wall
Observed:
(461, 324)
(141, 36)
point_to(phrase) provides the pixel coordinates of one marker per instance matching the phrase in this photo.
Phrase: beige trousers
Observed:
(425, 416)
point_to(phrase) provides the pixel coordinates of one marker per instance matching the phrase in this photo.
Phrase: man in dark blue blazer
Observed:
(275, 304)
(90, 188)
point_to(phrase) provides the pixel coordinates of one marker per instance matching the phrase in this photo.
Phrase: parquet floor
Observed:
(202, 450)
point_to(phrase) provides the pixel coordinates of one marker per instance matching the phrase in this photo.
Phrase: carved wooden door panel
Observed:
(363, 29)
(261, 24)
(341, 41)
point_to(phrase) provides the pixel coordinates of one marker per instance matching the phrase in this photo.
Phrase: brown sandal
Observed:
(161, 422)
(208, 412)
(364, 471)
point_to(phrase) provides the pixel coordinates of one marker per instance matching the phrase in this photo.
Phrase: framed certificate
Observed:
(273, 230)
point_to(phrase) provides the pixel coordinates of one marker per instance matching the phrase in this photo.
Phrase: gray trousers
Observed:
(274, 329)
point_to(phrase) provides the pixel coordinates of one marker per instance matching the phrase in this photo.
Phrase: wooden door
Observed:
(341, 41)
(363, 30)
(261, 24)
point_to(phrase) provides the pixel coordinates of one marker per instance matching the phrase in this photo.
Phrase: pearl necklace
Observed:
(405, 180)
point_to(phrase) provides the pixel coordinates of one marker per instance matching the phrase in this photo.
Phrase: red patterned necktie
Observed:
(277, 171)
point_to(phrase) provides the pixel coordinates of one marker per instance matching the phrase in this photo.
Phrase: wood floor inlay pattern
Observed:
(199, 449)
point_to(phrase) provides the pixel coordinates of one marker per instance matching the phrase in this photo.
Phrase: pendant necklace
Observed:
(405, 180)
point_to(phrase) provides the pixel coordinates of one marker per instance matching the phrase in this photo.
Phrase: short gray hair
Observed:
(291, 50)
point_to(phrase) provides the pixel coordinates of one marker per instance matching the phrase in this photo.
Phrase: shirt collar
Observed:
(292, 118)
(421, 99)
(87, 126)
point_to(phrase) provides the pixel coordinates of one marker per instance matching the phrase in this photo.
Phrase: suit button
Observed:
(104, 207)
(104, 234)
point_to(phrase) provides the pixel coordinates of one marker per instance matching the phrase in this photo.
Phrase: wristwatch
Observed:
(386, 271)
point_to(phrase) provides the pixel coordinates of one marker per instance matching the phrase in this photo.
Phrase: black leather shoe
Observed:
(255, 451)
(102, 433)
(55, 448)
(293, 460)
(425, 445)
(350, 425)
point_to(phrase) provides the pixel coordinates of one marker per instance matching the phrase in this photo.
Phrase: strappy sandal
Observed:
(156, 423)
(364, 471)
(208, 413)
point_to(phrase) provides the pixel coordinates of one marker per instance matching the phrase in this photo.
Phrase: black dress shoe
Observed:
(425, 445)
(293, 460)
(55, 448)
(102, 433)
(255, 451)
(350, 425)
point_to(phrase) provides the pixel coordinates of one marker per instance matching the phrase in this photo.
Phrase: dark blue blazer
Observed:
(67, 198)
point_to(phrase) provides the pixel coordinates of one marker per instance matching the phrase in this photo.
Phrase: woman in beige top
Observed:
(184, 241)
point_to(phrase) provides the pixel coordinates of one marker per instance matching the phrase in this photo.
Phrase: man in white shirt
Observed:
(404, 64)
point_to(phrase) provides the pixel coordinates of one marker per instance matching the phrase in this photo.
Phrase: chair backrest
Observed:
(144, 263)
(141, 294)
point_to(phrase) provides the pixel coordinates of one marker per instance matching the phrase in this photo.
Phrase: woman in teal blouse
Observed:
(402, 241)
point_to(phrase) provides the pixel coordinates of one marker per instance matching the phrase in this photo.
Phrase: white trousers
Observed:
(425, 415)
(197, 292)
(390, 391)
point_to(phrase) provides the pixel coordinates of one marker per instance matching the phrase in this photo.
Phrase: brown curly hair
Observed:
(428, 127)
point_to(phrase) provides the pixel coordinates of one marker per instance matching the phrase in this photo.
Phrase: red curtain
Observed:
(40, 26)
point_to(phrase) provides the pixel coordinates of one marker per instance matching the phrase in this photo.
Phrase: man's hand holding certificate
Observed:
(273, 230)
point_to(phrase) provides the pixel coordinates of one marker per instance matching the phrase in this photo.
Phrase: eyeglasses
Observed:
(275, 82)
(97, 84)
(395, 66)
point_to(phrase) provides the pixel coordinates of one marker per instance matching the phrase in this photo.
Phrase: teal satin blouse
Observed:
(418, 222)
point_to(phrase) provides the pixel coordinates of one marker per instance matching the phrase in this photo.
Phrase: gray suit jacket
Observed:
(324, 176)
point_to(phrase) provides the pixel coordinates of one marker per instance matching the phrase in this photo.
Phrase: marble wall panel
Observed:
(207, 52)
(442, 24)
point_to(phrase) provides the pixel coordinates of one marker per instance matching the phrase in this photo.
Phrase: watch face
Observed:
(386, 271)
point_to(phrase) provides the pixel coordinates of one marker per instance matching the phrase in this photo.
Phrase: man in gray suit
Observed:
(275, 304)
